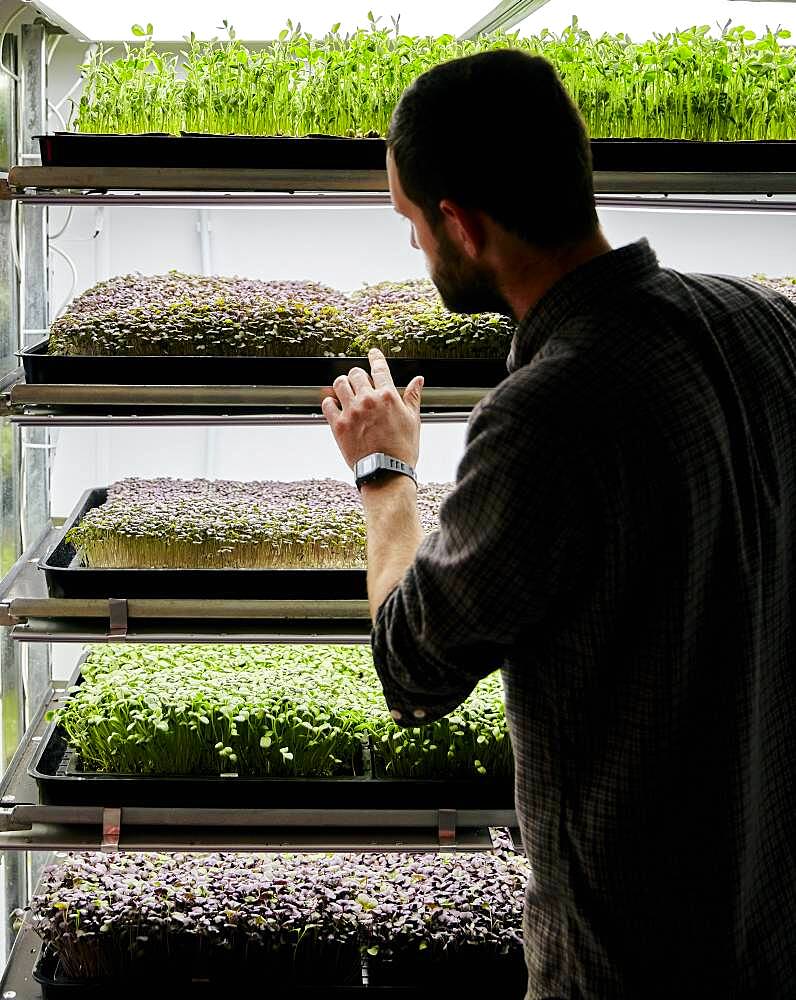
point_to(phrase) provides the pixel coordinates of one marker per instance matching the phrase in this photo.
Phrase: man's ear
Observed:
(464, 227)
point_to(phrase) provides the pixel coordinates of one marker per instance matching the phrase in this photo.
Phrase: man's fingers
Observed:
(379, 369)
(330, 409)
(342, 389)
(360, 381)
(413, 392)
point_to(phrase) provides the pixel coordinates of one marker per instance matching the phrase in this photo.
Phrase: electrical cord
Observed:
(73, 286)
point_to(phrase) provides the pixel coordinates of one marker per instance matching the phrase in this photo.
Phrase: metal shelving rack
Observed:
(30, 620)
(33, 620)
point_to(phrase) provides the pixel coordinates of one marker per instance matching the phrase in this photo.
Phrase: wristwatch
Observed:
(375, 466)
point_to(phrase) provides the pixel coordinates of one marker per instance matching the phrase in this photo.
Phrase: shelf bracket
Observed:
(9, 821)
(117, 614)
(446, 827)
(111, 830)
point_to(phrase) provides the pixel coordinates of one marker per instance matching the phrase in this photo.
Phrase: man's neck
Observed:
(527, 276)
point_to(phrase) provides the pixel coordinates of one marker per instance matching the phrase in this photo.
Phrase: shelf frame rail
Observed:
(218, 187)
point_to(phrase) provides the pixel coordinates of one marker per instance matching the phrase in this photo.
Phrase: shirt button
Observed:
(395, 714)
(419, 713)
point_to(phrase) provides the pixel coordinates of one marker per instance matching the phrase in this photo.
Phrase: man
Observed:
(620, 542)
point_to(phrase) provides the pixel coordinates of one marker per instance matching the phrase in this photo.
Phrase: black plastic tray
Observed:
(195, 150)
(43, 368)
(693, 156)
(69, 149)
(53, 768)
(67, 580)
(56, 987)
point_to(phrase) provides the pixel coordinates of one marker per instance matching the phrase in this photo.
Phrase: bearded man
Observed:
(620, 543)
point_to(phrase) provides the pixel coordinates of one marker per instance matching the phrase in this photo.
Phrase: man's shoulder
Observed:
(542, 391)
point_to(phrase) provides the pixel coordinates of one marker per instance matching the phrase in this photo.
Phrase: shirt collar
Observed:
(577, 292)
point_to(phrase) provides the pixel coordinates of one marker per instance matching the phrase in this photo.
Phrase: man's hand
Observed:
(367, 414)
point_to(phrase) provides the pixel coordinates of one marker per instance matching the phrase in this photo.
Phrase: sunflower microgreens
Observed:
(284, 711)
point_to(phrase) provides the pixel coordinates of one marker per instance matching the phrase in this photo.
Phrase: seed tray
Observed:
(43, 368)
(693, 156)
(55, 986)
(56, 769)
(65, 578)
(192, 150)
(197, 150)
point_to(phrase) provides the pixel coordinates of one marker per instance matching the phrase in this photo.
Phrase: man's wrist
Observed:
(389, 485)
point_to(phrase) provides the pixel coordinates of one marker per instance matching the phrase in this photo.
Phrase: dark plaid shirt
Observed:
(621, 543)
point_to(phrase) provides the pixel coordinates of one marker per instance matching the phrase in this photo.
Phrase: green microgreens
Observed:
(680, 85)
(269, 711)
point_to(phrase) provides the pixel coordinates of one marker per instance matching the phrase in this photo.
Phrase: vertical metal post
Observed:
(35, 319)
(12, 710)
(12, 702)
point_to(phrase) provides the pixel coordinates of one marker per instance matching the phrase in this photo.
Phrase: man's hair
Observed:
(498, 132)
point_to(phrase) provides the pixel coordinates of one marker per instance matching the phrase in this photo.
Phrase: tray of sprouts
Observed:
(185, 329)
(263, 726)
(220, 539)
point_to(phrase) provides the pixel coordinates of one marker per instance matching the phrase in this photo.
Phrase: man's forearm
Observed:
(394, 534)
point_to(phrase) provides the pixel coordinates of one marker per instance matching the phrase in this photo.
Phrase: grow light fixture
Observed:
(507, 14)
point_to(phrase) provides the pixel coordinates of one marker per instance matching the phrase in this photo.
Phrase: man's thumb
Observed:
(414, 391)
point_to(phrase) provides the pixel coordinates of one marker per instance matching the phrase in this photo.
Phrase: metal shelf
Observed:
(26, 824)
(174, 186)
(66, 404)
(34, 616)
(209, 179)
(50, 417)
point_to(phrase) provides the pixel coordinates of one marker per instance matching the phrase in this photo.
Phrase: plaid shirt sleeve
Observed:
(481, 581)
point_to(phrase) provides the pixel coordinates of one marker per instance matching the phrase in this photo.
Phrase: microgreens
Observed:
(268, 711)
(680, 85)
(785, 286)
(200, 523)
(177, 314)
(279, 914)
(408, 319)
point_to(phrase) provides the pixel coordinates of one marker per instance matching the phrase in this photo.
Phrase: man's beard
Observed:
(463, 286)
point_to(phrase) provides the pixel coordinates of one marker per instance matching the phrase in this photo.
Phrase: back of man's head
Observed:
(497, 132)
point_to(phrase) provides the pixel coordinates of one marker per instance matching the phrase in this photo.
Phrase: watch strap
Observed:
(373, 467)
